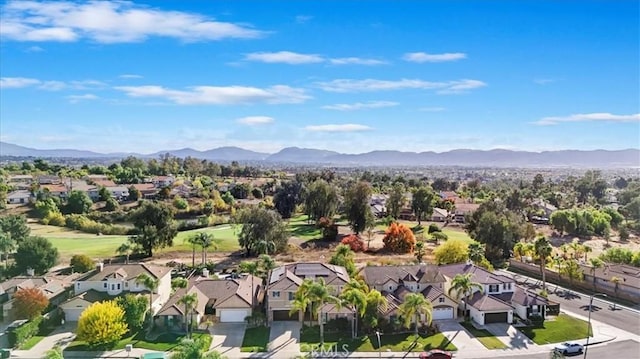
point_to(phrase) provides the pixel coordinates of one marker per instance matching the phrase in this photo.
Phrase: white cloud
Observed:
(255, 120)
(421, 57)
(78, 98)
(220, 95)
(368, 85)
(301, 19)
(356, 61)
(360, 105)
(432, 109)
(17, 82)
(544, 81)
(34, 49)
(110, 22)
(284, 57)
(588, 117)
(130, 76)
(349, 127)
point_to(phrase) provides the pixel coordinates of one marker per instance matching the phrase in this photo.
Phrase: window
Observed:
(504, 286)
(291, 295)
(78, 285)
(494, 288)
(104, 285)
(118, 286)
(113, 287)
(275, 294)
(441, 300)
(126, 284)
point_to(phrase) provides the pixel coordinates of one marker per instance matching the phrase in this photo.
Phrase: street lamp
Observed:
(379, 345)
(586, 347)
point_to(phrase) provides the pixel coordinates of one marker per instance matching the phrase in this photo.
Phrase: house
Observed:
(49, 179)
(118, 192)
(629, 277)
(55, 190)
(104, 183)
(227, 300)
(55, 290)
(182, 190)
(544, 206)
(147, 190)
(284, 281)
(500, 297)
(395, 282)
(91, 190)
(439, 215)
(116, 279)
(379, 210)
(163, 181)
(19, 197)
(26, 179)
(449, 196)
(407, 214)
(464, 209)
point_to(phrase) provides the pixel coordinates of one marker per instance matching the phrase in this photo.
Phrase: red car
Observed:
(436, 354)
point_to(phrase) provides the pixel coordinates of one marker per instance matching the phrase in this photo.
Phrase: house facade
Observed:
(439, 215)
(54, 289)
(19, 197)
(284, 281)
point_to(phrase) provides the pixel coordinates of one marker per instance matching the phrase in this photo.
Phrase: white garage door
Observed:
(72, 314)
(442, 313)
(233, 315)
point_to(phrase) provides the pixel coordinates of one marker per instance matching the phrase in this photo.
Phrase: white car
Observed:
(569, 348)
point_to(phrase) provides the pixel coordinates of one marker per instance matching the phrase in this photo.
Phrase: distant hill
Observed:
(295, 155)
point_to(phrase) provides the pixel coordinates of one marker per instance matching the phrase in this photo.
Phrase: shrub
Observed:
(84, 224)
(111, 205)
(27, 330)
(54, 219)
(623, 233)
(81, 263)
(433, 228)
(354, 242)
(453, 251)
(180, 203)
(398, 238)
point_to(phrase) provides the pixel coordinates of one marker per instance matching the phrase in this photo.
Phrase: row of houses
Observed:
(461, 208)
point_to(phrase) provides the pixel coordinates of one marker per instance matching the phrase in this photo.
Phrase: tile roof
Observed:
(521, 296)
(478, 274)
(296, 272)
(420, 273)
(487, 303)
(128, 271)
(629, 275)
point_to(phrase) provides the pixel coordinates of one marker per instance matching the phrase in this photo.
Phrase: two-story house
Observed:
(284, 281)
(108, 281)
(499, 298)
(163, 181)
(55, 289)
(395, 282)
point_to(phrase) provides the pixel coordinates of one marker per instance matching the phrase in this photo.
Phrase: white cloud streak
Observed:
(349, 127)
(302, 19)
(17, 82)
(296, 58)
(255, 120)
(130, 76)
(360, 105)
(110, 22)
(219, 95)
(356, 61)
(422, 57)
(588, 117)
(370, 85)
(78, 98)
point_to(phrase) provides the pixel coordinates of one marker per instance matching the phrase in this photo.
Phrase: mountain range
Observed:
(295, 155)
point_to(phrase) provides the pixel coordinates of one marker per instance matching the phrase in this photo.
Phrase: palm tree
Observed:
(543, 250)
(179, 283)
(463, 286)
(595, 264)
(376, 302)
(616, 281)
(586, 249)
(189, 301)
(151, 284)
(301, 300)
(354, 295)
(319, 296)
(205, 241)
(558, 261)
(518, 250)
(125, 249)
(193, 241)
(415, 306)
(420, 251)
(193, 349)
(572, 270)
(266, 264)
(253, 269)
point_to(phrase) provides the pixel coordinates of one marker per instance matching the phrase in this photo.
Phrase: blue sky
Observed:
(350, 76)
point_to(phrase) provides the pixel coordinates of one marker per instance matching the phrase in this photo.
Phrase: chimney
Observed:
(100, 266)
(205, 273)
(31, 272)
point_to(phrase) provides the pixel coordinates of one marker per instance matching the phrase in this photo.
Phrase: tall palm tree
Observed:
(253, 269)
(319, 295)
(558, 261)
(415, 305)
(586, 249)
(193, 241)
(463, 286)
(125, 249)
(152, 285)
(375, 302)
(616, 281)
(543, 250)
(595, 264)
(301, 300)
(179, 282)
(356, 297)
(205, 241)
(266, 264)
(189, 300)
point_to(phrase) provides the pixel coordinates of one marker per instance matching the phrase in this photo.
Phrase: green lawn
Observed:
(487, 339)
(31, 342)
(563, 328)
(457, 234)
(309, 340)
(299, 227)
(164, 342)
(255, 340)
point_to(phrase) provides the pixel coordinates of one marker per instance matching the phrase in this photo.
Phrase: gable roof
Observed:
(522, 296)
(478, 274)
(297, 272)
(630, 276)
(128, 271)
(485, 302)
(440, 212)
(420, 273)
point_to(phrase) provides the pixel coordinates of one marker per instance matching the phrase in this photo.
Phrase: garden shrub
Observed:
(27, 330)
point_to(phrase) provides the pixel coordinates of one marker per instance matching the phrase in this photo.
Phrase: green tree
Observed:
(595, 264)
(414, 307)
(111, 205)
(343, 256)
(78, 203)
(16, 226)
(152, 285)
(261, 225)
(125, 249)
(439, 236)
(543, 250)
(266, 265)
(102, 324)
(496, 227)
(193, 349)
(422, 203)
(81, 263)
(155, 226)
(319, 295)
(301, 301)
(7, 245)
(357, 207)
(205, 241)
(190, 301)
(420, 251)
(134, 308)
(287, 197)
(572, 270)
(36, 253)
(46, 207)
(354, 294)
(396, 200)
(476, 252)
(633, 209)
(54, 353)
(376, 303)
(462, 285)
(104, 194)
(321, 200)
(134, 193)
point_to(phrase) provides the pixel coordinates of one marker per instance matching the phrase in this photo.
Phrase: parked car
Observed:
(436, 354)
(569, 348)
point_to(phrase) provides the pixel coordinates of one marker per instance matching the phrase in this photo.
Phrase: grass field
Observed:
(487, 339)
(563, 328)
(299, 227)
(255, 340)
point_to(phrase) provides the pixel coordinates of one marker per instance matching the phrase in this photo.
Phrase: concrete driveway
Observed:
(284, 339)
(459, 336)
(511, 336)
(227, 336)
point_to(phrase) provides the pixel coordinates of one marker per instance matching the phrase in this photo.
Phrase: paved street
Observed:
(622, 318)
(628, 349)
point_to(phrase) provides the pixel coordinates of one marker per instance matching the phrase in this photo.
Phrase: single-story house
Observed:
(19, 197)
(439, 215)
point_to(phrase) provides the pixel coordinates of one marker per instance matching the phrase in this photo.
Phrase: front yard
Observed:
(563, 328)
(164, 342)
(255, 340)
(487, 339)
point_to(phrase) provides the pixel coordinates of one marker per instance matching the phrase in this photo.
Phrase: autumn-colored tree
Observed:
(398, 238)
(102, 324)
(452, 251)
(354, 242)
(29, 303)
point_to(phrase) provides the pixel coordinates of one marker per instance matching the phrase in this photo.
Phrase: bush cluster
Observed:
(20, 334)
(82, 223)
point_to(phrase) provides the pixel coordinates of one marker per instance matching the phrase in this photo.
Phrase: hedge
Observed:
(84, 224)
(20, 334)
